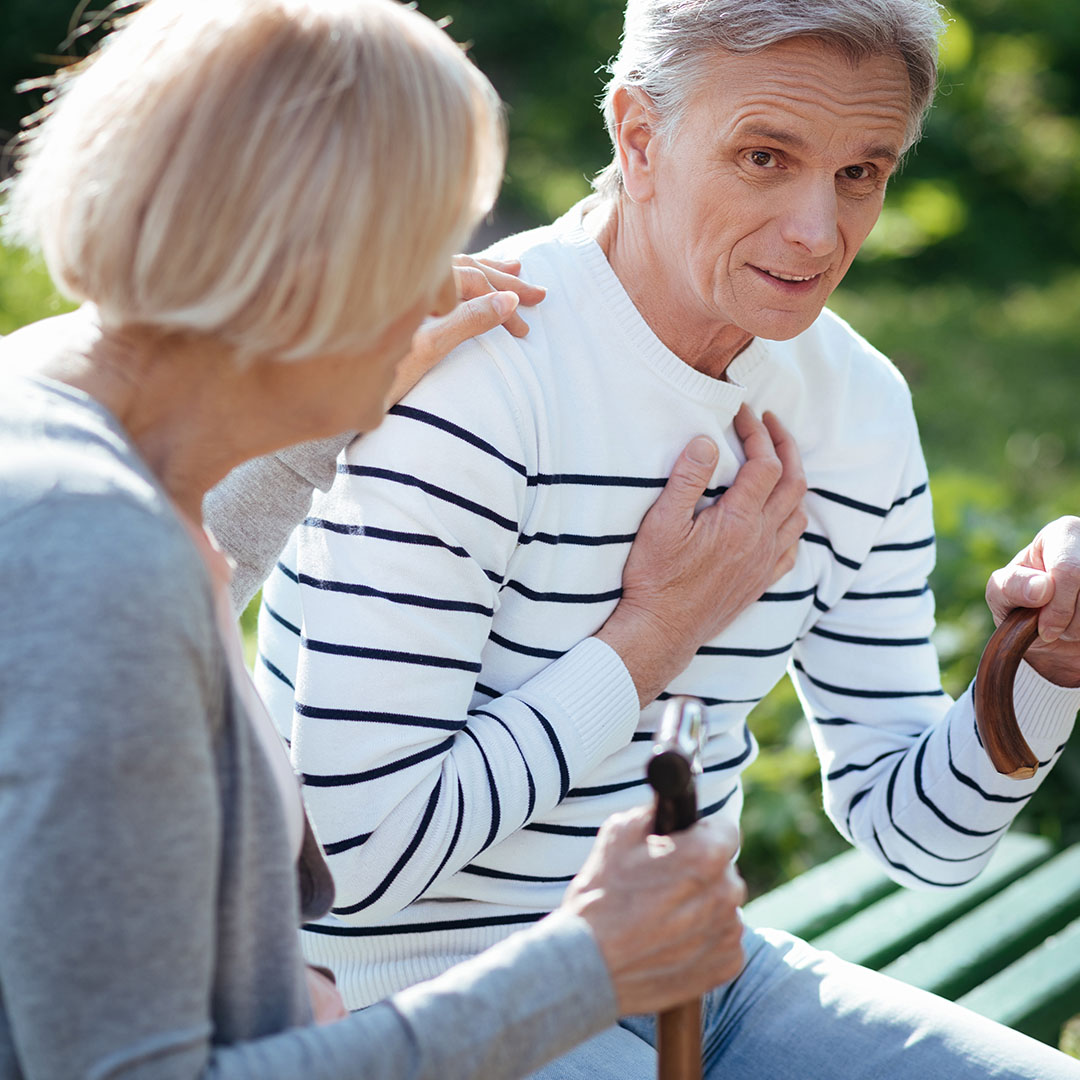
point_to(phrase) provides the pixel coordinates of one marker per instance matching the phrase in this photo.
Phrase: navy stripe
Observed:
(342, 528)
(409, 599)
(889, 792)
(496, 805)
(502, 875)
(445, 495)
(487, 690)
(717, 806)
(925, 799)
(425, 928)
(604, 789)
(967, 781)
(347, 779)
(785, 597)
(276, 671)
(280, 618)
(564, 771)
(596, 480)
(575, 538)
(838, 773)
(524, 650)
(432, 420)
(912, 545)
(721, 650)
(422, 659)
(562, 830)
(918, 877)
(406, 855)
(896, 594)
(846, 500)
(315, 712)
(667, 696)
(453, 840)
(868, 508)
(287, 572)
(919, 489)
(339, 846)
(853, 639)
(563, 598)
(420, 539)
(731, 763)
(813, 538)
(524, 761)
(855, 800)
(832, 721)
(848, 691)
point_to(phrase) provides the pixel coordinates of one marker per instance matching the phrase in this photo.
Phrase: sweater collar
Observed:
(723, 395)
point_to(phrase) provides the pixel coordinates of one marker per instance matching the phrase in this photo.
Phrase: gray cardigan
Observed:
(148, 897)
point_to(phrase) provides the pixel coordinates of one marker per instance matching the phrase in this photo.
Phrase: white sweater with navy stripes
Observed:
(426, 648)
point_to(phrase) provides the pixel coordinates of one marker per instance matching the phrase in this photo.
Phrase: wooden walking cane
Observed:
(672, 771)
(995, 717)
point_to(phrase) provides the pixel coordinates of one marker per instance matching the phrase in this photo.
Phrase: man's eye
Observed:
(763, 159)
(856, 172)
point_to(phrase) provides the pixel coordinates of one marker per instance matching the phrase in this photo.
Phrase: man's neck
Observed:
(705, 346)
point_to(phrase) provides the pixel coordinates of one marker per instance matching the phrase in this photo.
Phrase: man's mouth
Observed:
(797, 278)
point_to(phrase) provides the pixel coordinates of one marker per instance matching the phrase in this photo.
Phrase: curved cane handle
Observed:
(994, 715)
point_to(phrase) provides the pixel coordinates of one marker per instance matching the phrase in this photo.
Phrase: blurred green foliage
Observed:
(971, 283)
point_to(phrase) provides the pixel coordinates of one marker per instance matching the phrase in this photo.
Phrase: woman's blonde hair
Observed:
(287, 175)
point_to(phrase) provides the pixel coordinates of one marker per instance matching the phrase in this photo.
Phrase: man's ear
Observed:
(636, 142)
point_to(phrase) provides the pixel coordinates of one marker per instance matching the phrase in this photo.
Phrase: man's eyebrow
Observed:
(781, 137)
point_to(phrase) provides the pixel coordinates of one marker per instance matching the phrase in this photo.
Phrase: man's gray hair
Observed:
(668, 45)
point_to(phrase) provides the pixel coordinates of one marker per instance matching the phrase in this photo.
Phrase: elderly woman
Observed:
(257, 201)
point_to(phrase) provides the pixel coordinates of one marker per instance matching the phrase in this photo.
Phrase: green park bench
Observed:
(1006, 945)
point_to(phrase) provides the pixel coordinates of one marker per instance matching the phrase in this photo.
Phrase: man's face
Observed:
(760, 200)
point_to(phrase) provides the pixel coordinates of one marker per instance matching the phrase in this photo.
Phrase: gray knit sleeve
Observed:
(498, 1016)
(253, 511)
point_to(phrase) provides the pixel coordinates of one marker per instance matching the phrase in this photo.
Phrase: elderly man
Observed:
(468, 655)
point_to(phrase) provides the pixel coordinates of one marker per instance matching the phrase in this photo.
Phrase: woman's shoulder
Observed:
(78, 509)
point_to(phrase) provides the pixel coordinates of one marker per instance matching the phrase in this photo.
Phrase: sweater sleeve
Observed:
(497, 1016)
(255, 508)
(399, 570)
(904, 774)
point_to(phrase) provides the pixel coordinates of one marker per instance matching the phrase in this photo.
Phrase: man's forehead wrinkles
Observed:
(866, 129)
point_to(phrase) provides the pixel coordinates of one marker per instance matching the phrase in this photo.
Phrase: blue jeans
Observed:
(795, 1013)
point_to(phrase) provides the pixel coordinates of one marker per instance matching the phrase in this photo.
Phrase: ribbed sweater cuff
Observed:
(1045, 712)
(590, 698)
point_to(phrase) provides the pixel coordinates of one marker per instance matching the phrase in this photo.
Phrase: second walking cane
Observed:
(672, 771)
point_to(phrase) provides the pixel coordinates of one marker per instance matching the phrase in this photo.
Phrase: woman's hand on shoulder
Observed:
(490, 292)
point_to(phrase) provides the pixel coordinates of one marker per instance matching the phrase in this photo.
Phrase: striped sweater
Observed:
(426, 648)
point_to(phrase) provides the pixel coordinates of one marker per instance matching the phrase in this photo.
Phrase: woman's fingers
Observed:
(435, 338)
(475, 277)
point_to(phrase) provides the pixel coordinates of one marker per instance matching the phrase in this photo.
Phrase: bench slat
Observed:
(821, 897)
(1037, 991)
(886, 929)
(999, 931)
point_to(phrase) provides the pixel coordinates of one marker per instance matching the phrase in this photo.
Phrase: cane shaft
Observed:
(678, 1042)
(671, 773)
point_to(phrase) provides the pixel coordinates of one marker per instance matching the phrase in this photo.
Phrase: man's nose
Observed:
(810, 218)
